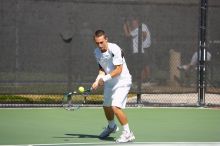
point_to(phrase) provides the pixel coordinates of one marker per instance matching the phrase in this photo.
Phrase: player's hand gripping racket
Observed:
(74, 100)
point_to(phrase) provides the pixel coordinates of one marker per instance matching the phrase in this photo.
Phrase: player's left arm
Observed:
(97, 82)
(118, 56)
(117, 71)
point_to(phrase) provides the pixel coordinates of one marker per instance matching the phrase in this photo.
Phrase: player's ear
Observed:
(106, 38)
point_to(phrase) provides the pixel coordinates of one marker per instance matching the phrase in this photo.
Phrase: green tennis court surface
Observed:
(82, 127)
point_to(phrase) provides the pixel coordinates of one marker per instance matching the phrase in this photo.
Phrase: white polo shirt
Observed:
(113, 56)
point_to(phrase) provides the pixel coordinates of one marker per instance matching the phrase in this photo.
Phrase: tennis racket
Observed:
(74, 100)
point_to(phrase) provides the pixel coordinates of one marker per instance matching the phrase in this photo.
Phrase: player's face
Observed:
(102, 43)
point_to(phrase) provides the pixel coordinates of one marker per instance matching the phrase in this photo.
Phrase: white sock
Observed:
(111, 123)
(126, 128)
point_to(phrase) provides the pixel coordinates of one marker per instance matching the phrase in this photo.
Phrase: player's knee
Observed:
(115, 109)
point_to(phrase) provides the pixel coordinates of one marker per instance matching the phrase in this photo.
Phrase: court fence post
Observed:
(139, 81)
(202, 54)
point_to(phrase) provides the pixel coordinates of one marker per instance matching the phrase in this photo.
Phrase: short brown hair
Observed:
(99, 33)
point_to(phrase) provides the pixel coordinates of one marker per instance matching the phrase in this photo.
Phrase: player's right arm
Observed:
(101, 73)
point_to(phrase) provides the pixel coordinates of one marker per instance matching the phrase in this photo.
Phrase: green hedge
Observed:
(45, 99)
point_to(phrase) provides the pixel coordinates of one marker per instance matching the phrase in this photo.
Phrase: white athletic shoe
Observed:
(126, 137)
(107, 131)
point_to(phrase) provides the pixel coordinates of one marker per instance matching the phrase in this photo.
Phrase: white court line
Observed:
(131, 144)
(94, 108)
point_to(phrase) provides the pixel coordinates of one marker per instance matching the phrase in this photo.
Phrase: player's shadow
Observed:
(85, 136)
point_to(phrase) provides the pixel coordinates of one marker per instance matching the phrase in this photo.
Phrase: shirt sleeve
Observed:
(96, 55)
(117, 55)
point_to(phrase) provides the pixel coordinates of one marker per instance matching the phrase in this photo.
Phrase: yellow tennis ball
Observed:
(81, 89)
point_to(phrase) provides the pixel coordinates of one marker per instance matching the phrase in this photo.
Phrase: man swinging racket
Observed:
(115, 76)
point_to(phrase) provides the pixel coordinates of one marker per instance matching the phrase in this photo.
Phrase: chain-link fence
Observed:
(47, 47)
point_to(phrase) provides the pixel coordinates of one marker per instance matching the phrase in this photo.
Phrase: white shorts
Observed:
(116, 97)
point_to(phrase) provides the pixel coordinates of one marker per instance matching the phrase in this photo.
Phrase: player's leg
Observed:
(112, 127)
(109, 114)
(122, 118)
(127, 135)
(119, 99)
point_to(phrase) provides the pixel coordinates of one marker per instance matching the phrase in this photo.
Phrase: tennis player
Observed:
(115, 76)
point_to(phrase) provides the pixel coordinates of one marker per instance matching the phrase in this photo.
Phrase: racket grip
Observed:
(69, 94)
(89, 90)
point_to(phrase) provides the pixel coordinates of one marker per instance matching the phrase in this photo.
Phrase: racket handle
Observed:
(69, 93)
(89, 90)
